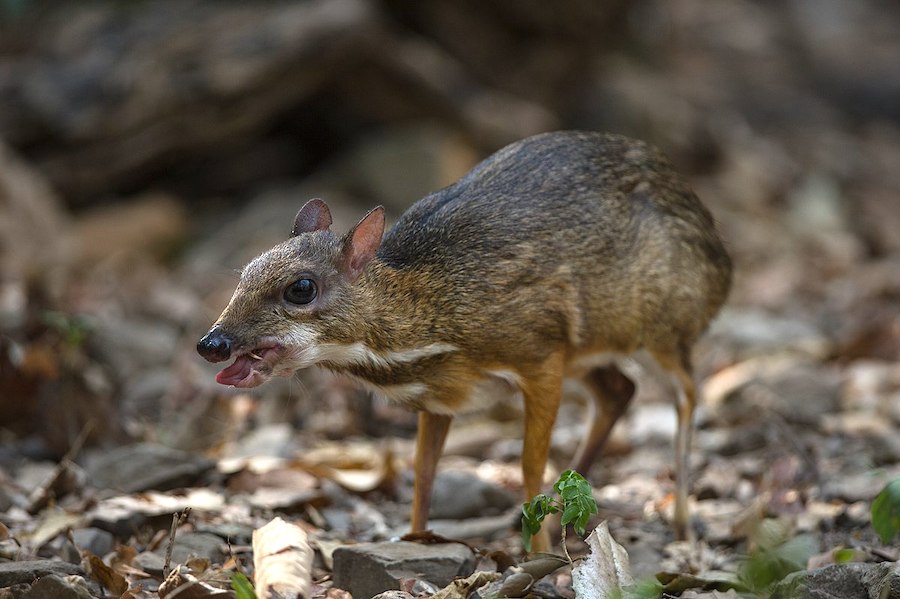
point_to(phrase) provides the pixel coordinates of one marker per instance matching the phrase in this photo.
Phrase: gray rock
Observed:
(196, 544)
(54, 586)
(487, 528)
(756, 332)
(132, 346)
(97, 541)
(151, 563)
(10, 497)
(233, 532)
(781, 387)
(368, 569)
(120, 521)
(842, 581)
(882, 580)
(28, 571)
(459, 495)
(269, 440)
(853, 487)
(235, 50)
(145, 466)
(402, 164)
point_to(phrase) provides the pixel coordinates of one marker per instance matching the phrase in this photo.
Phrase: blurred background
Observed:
(149, 149)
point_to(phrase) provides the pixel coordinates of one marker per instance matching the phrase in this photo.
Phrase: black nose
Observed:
(215, 346)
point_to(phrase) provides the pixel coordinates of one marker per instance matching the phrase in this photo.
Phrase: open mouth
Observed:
(251, 368)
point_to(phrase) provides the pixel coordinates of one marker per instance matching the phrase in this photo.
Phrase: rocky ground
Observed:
(147, 153)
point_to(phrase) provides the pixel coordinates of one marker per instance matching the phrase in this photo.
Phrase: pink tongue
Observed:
(237, 372)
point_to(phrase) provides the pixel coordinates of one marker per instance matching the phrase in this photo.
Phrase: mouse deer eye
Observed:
(301, 292)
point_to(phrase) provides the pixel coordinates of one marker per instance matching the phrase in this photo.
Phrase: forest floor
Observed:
(116, 259)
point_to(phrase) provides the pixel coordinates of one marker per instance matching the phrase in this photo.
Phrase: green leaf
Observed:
(646, 588)
(533, 514)
(578, 500)
(571, 485)
(767, 566)
(73, 328)
(843, 555)
(242, 587)
(577, 505)
(886, 512)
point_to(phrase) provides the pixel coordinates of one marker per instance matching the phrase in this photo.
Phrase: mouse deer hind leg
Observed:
(610, 393)
(678, 364)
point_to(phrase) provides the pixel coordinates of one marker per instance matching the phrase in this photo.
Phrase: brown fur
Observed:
(556, 248)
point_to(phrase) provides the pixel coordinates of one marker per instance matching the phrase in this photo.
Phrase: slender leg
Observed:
(686, 403)
(678, 363)
(611, 392)
(542, 392)
(430, 439)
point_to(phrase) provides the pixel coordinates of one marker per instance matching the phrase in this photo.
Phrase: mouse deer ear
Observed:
(314, 216)
(362, 242)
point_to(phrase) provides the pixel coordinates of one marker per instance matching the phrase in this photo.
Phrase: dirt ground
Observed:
(146, 153)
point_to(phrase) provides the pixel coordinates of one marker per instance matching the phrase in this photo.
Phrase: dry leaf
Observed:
(543, 564)
(605, 571)
(463, 587)
(53, 521)
(282, 561)
(182, 583)
(357, 468)
(106, 576)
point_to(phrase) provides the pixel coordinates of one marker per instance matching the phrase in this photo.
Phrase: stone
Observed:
(97, 541)
(798, 390)
(754, 332)
(27, 571)
(487, 528)
(239, 55)
(368, 569)
(149, 562)
(398, 166)
(842, 581)
(458, 495)
(233, 532)
(31, 218)
(131, 345)
(269, 440)
(882, 580)
(196, 544)
(145, 466)
(54, 586)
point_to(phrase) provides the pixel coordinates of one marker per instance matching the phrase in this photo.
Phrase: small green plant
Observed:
(242, 587)
(72, 328)
(576, 502)
(774, 559)
(886, 512)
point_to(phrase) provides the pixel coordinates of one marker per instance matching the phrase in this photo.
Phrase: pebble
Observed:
(371, 568)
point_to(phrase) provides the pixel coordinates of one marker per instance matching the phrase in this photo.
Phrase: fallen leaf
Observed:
(53, 521)
(463, 587)
(105, 575)
(282, 561)
(605, 572)
(183, 584)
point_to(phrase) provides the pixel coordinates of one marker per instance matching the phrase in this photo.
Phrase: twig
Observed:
(562, 541)
(178, 519)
